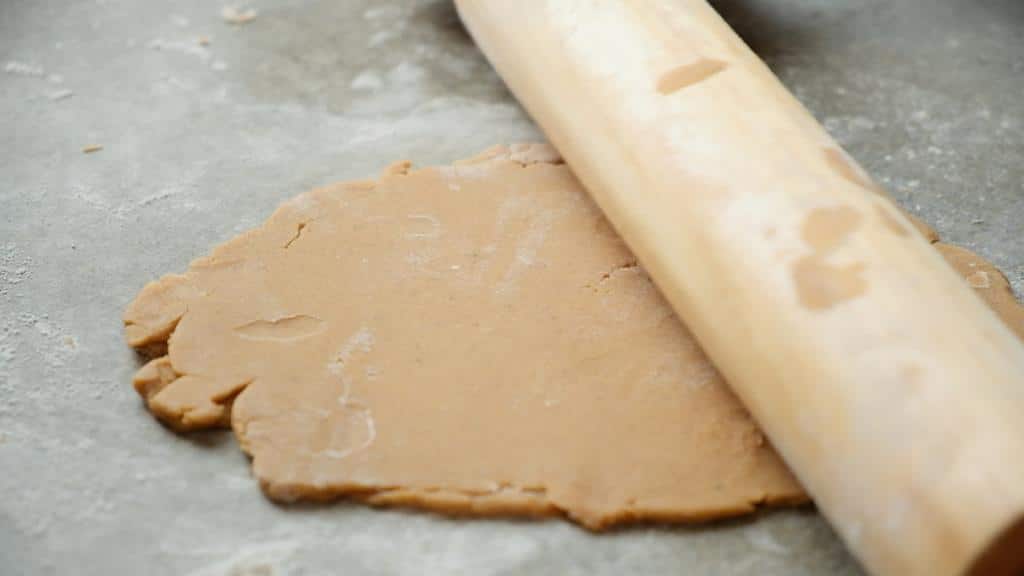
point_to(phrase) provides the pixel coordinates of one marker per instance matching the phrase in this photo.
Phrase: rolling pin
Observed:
(894, 394)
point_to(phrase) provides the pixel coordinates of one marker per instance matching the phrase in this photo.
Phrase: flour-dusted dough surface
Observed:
(472, 339)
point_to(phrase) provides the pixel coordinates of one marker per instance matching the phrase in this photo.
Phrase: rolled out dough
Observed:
(471, 339)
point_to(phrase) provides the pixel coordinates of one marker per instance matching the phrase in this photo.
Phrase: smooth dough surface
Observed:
(472, 339)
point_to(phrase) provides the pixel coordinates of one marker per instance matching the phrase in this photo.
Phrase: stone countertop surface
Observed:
(206, 126)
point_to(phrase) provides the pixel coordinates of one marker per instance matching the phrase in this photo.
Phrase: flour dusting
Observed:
(61, 95)
(238, 15)
(763, 540)
(16, 68)
(527, 248)
(361, 341)
(264, 559)
(366, 80)
(388, 12)
(15, 268)
(188, 48)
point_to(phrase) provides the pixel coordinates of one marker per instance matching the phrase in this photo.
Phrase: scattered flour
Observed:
(389, 12)
(181, 47)
(61, 95)
(361, 341)
(127, 208)
(406, 73)
(161, 195)
(16, 68)
(192, 47)
(423, 226)
(762, 540)
(366, 80)
(382, 36)
(50, 340)
(403, 87)
(14, 268)
(8, 333)
(530, 242)
(464, 551)
(264, 559)
(235, 14)
(402, 77)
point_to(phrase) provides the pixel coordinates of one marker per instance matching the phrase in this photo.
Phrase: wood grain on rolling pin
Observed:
(887, 385)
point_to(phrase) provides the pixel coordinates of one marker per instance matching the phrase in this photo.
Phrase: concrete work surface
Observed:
(206, 125)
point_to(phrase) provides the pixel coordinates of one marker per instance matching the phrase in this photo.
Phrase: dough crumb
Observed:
(264, 559)
(398, 168)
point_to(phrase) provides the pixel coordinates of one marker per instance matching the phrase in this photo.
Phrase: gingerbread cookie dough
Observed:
(988, 282)
(471, 339)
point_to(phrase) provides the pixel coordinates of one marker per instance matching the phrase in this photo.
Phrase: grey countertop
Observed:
(201, 142)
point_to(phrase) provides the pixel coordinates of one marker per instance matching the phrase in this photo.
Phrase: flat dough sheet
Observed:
(471, 339)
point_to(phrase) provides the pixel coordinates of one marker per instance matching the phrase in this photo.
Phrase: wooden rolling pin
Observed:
(895, 395)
